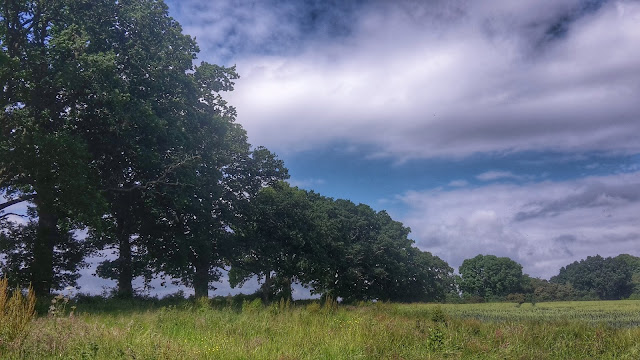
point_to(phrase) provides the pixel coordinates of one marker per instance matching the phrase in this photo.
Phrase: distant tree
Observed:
(488, 276)
(426, 278)
(542, 290)
(607, 278)
(634, 263)
(278, 241)
(369, 256)
(337, 248)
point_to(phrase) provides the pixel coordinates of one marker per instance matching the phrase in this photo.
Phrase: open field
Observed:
(571, 330)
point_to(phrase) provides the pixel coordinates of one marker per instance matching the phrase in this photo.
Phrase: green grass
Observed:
(571, 330)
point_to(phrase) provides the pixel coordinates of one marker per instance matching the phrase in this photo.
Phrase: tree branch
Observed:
(6, 215)
(161, 179)
(17, 200)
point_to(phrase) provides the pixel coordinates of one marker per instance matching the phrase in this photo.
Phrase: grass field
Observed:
(567, 330)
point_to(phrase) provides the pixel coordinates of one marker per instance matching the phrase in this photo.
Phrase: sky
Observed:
(488, 127)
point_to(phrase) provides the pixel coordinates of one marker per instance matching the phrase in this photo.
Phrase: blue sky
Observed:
(503, 127)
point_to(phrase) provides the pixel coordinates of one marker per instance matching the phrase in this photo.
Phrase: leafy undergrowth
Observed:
(313, 331)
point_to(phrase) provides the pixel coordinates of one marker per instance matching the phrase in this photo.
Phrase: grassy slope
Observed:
(582, 330)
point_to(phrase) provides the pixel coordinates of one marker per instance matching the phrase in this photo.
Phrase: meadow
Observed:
(212, 330)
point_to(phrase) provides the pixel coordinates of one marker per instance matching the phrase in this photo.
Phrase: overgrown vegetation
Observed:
(226, 329)
(16, 313)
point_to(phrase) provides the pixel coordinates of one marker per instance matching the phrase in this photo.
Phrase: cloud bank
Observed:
(541, 225)
(443, 79)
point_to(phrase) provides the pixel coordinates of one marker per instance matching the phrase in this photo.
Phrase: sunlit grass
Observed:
(582, 330)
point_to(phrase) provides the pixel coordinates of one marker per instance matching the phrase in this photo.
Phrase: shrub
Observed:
(516, 298)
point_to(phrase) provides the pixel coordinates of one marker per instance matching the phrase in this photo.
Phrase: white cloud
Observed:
(543, 226)
(458, 183)
(497, 175)
(451, 80)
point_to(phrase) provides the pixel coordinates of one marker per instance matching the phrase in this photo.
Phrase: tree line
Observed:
(113, 139)
(109, 128)
(492, 278)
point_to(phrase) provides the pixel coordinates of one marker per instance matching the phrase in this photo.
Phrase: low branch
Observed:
(17, 200)
(6, 215)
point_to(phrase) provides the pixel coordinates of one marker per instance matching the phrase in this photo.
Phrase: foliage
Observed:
(585, 330)
(369, 256)
(543, 290)
(194, 236)
(489, 276)
(108, 124)
(17, 244)
(634, 264)
(278, 241)
(607, 278)
(517, 298)
(43, 158)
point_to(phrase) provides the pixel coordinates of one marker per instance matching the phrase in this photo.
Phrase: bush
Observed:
(516, 298)
(16, 312)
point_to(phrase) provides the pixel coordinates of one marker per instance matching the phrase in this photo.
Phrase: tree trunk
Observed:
(287, 291)
(42, 266)
(201, 277)
(125, 262)
(266, 287)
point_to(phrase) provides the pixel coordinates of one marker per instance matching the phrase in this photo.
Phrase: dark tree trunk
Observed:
(46, 238)
(125, 262)
(267, 287)
(287, 291)
(201, 277)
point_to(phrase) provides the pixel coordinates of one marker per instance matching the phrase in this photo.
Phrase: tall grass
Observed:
(16, 312)
(198, 330)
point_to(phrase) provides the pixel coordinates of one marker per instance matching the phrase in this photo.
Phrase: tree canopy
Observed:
(489, 276)
(105, 119)
(607, 278)
(337, 248)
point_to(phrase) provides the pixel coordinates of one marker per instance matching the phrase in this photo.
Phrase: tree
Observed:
(199, 225)
(143, 117)
(278, 241)
(607, 278)
(368, 256)
(426, 278)
(42, 158)
(106, 120)
(489, 276)
(543, 290)
(634, 264)
(339, 249)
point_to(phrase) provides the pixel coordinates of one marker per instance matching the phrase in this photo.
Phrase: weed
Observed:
(16, 312)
